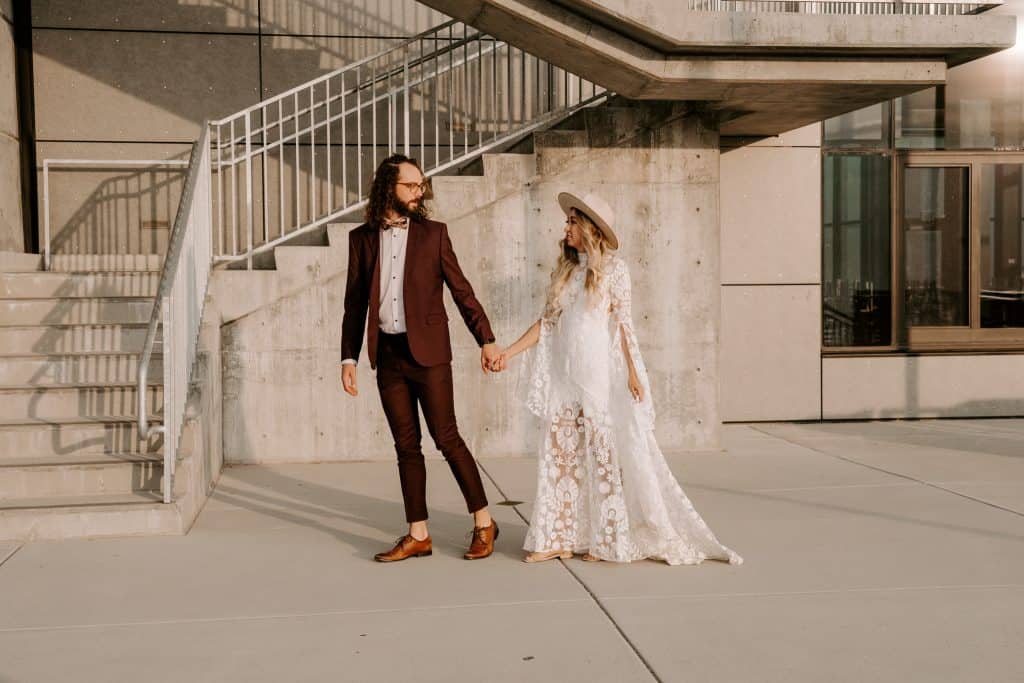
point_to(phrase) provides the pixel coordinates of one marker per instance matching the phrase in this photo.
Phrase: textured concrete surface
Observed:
(922, 386)
(11, 227)
(653, 49)
(883, 551)
(281, 361)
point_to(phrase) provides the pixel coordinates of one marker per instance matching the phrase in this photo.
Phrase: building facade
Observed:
(916, 306)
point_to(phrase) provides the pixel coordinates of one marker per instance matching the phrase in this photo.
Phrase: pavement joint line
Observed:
(593, 597)
(828, 487)
(953, 428)
(904, 476)
(11, 554)
(295, 615)
(834, 591)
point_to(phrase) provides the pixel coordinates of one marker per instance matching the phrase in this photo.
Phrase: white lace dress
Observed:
(603, 485)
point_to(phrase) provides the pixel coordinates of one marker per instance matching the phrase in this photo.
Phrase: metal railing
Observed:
(178, 308)
(93, 165)
(302, 159)
(299, 160)
(913, 7)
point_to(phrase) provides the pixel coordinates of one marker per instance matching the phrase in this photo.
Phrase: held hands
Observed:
(489, 355)
(497, 361)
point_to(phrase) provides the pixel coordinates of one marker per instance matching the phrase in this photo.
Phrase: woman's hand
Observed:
(500, 363)
(636, 390)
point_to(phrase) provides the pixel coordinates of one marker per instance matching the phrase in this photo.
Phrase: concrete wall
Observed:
(282, 395)
(771, 279)
(118, 79)
(11, 227)
(922, 386)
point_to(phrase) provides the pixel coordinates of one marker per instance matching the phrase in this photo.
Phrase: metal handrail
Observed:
(847, 7)
(183, 226)
(525, 95)
(280, 163)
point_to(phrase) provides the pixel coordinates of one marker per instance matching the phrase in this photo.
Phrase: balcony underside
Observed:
(763, 73)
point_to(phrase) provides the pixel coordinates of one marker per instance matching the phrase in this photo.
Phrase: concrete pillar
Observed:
(11, 226)
(657, 165)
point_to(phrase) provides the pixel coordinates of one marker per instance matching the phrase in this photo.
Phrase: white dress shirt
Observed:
(392, 276)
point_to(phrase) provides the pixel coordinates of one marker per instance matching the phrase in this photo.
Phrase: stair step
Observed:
(79, 435)
(71, 401)
(94, 263)
(90, 516)
(308, 263)
(84, 368)
(337, 233)
(105, 311)
(77, 459)
(31, 481)
(51, 284)
(72, 339)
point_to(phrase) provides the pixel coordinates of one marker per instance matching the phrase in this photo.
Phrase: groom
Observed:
(397, 263)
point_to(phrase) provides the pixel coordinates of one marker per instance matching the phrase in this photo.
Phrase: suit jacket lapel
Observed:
(411, 245)
(375, 277)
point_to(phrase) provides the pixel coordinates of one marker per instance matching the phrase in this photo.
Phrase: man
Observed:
(397, 263)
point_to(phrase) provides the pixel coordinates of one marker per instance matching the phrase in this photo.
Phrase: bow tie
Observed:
(400, 223)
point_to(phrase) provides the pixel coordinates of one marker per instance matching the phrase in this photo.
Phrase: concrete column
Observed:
(11, 227)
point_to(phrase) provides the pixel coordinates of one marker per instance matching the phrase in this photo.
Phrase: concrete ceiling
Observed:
(763, 73)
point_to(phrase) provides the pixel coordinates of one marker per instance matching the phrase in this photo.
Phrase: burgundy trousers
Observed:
(404, 384)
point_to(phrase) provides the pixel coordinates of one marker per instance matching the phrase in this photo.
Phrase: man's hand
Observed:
(348, 379)
(489, 353)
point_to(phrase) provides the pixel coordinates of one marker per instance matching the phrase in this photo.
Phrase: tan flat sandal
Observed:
(549, 555)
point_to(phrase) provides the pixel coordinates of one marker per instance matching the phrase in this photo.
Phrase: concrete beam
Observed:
(829, 65)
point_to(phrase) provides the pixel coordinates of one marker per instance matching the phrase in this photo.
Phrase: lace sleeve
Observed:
(621, 316)
(620, 290)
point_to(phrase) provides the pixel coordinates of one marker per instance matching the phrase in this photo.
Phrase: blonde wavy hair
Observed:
(596, 246)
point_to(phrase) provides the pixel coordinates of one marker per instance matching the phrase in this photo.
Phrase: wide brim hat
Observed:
(596, 209)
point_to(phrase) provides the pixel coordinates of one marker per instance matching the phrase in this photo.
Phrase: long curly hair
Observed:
(381, 195)
(596, 247)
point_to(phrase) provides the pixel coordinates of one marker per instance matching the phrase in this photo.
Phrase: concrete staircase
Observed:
(71, 463)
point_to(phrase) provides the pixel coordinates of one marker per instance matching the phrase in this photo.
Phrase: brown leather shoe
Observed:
(406, 547)
(483, 542)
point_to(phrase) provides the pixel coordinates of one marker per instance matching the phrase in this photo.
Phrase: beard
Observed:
(413, 209)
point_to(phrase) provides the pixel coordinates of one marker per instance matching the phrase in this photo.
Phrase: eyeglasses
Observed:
(422, 187)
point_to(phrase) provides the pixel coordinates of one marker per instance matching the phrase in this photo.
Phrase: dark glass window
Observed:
(856, 289)
(1002, 245)
(935, 246)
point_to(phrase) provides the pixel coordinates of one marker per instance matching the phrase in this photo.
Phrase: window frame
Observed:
(972, 337)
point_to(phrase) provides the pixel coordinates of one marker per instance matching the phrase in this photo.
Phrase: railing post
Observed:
(168, 430)
(46, 215)
(405, 104)
(248, 184)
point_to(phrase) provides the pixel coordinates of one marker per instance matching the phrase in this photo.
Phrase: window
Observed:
(923, 214)
(1002, 245)
(856, 264)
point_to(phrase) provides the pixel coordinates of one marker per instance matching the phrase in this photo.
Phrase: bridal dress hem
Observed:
(603, 485)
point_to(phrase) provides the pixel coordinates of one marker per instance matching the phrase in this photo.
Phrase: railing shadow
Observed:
(87, 340)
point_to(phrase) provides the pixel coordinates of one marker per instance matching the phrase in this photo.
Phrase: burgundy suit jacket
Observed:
(429, 263)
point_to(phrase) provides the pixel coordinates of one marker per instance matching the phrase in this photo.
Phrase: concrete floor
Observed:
(888, 551)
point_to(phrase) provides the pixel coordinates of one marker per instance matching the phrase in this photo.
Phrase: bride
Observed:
(603, 486)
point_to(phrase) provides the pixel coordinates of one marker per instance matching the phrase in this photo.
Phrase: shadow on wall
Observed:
(203, 74)
(129, 213)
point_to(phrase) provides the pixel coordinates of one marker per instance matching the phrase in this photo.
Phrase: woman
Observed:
(603, 486)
